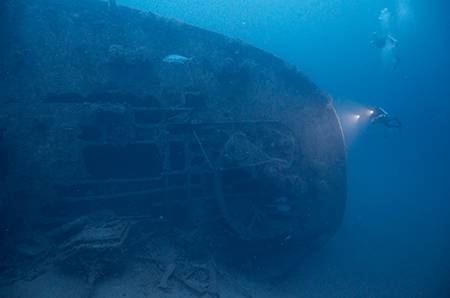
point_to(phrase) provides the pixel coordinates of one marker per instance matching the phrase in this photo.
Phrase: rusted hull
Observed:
(93, 118)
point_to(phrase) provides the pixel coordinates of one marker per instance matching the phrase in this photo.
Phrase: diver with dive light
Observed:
(380, 116)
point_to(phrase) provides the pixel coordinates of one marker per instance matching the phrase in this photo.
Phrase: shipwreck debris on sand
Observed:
(96, 251)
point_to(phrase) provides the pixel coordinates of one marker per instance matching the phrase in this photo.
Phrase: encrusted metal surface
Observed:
(230, 145)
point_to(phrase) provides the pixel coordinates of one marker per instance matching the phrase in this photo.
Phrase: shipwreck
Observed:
(186, 139)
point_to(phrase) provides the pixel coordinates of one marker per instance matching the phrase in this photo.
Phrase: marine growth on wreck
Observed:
(128, 139)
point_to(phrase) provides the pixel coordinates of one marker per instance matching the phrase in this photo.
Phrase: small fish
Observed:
(176, 59)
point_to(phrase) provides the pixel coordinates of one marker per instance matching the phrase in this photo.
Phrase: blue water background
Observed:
(395, 241)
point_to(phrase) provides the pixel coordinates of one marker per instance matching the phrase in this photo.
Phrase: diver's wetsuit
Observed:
(380, 116)
(390, 122)
(389, 43)
(383, 41)
(379, 42)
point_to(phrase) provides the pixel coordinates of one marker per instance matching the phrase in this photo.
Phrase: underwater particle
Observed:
(176, 59)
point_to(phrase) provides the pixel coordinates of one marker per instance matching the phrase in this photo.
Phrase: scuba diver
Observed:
(380, 116)
(383, 41)
(387, 43)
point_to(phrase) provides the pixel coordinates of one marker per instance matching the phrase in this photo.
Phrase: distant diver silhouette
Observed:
(384, 40)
